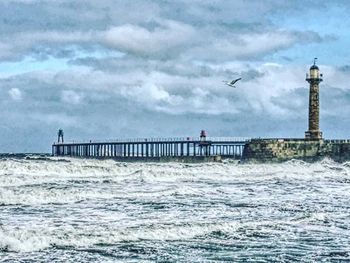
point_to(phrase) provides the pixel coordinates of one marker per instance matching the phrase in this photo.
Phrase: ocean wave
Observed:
(29, 240)
(49, 206)
(87, 236)
(98, 168)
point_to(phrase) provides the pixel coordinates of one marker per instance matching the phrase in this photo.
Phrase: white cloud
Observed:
(248, 45)
(71, 97)
(5, 49)
(15, 94)
(163, 39)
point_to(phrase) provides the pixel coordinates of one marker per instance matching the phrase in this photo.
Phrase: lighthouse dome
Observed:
(314, 67)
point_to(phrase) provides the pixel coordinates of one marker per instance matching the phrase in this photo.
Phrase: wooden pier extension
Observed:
(154, 148)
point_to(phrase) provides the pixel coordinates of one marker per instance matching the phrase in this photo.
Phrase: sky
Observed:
(154, 68)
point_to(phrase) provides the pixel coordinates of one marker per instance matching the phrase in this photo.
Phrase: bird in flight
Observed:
(232, 83)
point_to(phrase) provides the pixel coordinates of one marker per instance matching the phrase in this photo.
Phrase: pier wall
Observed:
(280, 150)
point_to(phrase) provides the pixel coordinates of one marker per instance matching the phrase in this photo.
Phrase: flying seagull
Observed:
(232, 83)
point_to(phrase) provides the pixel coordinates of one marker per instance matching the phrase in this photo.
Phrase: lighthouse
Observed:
(314, 78)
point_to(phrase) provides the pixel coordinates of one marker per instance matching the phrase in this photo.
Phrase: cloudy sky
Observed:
(154, 68)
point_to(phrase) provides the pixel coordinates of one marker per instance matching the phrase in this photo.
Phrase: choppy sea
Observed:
(76, 210)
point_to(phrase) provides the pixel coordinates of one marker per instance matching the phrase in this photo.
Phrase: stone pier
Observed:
(280, 150)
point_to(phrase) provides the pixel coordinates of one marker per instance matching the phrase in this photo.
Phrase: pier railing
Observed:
(156, 139)
(154, 147)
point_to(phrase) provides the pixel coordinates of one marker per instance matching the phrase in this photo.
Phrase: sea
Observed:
(84, 210)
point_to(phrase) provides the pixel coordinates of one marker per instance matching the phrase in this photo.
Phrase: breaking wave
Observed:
(74, 209)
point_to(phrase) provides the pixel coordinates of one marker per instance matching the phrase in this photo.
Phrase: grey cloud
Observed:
(195, 30)
(172, 39)
(168, 79)
(251, 74)
(344, 68)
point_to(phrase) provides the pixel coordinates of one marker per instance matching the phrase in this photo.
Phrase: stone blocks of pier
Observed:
(280, 150)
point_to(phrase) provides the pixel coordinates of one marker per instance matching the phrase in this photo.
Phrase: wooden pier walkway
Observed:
(153, 148)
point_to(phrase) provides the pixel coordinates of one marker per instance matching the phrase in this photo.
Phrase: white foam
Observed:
(24, 240)
(102, 201)
(36, 181)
